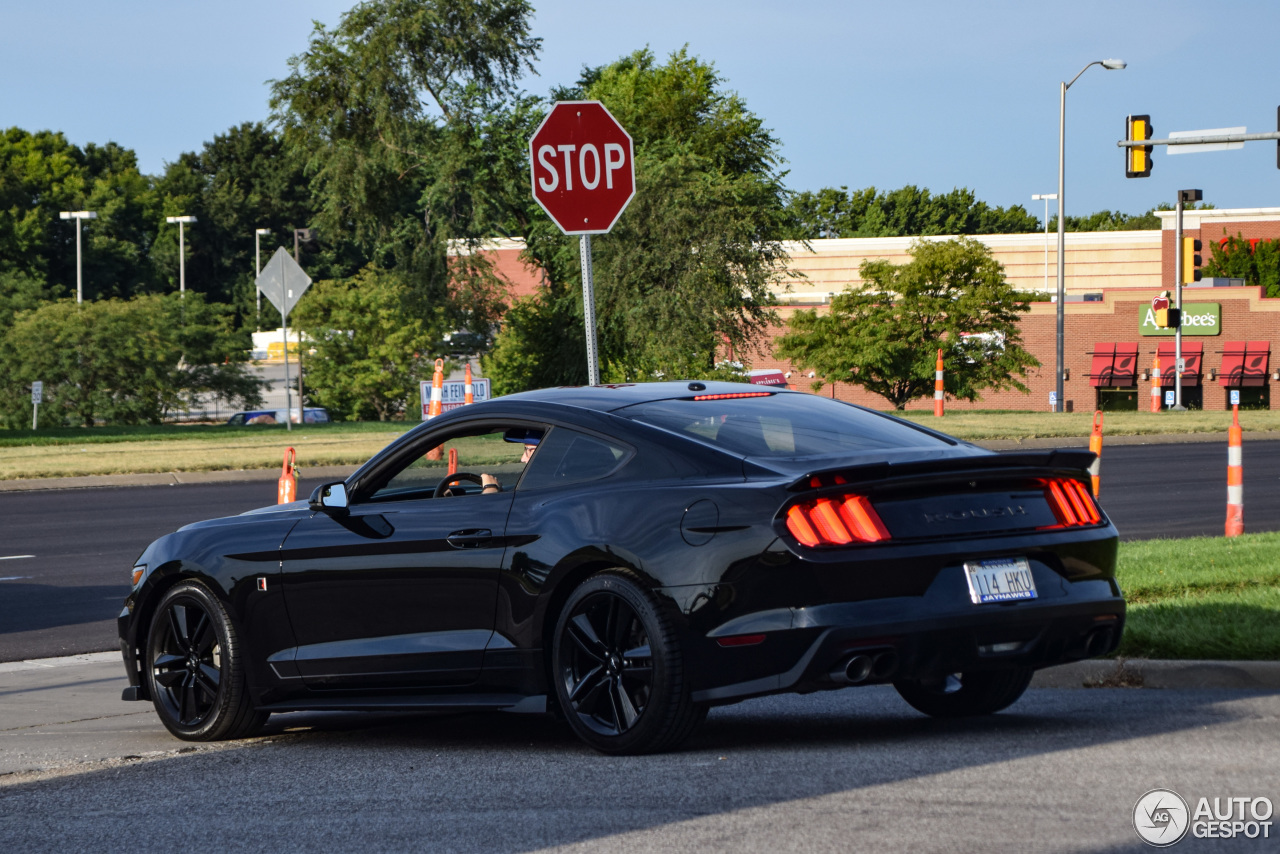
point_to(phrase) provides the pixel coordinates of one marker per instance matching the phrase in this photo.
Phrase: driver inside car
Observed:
(489, 483)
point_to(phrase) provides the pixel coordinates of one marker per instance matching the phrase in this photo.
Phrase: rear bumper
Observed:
(806, 649)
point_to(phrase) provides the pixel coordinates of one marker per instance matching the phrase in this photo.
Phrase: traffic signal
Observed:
(1137, 158)
(1190, 260)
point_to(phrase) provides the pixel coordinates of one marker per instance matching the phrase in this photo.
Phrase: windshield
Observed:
(782, 425)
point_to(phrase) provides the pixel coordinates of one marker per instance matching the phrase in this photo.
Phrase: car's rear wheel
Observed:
(618, 670)
(958, 695)
(194, 668)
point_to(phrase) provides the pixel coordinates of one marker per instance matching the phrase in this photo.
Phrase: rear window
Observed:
(782, 425)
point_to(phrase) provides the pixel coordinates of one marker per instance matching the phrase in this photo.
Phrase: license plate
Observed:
(1001, 580)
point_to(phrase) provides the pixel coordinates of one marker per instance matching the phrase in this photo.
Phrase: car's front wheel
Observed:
(958, 695)
(618, 670)
(194, 669)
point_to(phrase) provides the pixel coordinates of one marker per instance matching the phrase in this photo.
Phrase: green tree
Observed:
(908, 211)
(406, 116)
(122, 361)
(884, 337)
(243, 180)
(688, 268)
(41, 174)
(372, 347)
(1258, 263)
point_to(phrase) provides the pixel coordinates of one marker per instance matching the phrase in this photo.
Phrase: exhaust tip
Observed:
(884, 664)
(854, 670)
(1098, 643)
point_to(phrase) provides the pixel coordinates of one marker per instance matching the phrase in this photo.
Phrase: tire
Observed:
(961, 695)
(194, 668)
(618, 670)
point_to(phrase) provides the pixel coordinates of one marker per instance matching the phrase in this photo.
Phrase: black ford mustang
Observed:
(628, 556)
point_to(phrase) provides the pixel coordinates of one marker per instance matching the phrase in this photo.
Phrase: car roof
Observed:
(613, 396)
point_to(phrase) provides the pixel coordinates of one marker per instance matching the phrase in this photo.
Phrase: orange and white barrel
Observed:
(1095, 445)
(1155, 386)
(287, 485)
(937, 387)
(436, 406)
(1235, 477)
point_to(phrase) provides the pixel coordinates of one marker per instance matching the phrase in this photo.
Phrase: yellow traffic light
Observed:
(1137, 158)
(1190, 260)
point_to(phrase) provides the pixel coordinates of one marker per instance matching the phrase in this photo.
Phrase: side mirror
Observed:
(330, 498)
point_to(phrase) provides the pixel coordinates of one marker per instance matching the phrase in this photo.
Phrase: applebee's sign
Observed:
(1198, 318)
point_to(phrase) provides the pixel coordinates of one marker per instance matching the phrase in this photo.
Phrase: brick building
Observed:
(1110, 279)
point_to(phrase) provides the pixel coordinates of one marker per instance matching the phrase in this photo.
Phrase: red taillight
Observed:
(836, 521)
(734, 395)
(741, 640)
(1071, 502)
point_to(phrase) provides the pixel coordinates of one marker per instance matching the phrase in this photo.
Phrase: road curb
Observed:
(1149, 673)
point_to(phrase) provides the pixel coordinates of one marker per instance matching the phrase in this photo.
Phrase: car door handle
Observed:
(471, 538)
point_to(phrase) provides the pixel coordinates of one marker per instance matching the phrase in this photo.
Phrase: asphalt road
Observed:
(65, 555)
(854, 770)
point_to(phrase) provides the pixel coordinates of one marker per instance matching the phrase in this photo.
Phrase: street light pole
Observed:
(1109, 64)
(1047, 197)
(182, 258)
(257, 271)
(78, 217)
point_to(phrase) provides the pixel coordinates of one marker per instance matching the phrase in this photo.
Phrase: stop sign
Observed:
(583, 167)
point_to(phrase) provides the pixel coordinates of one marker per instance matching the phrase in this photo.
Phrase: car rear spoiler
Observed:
(1069, 462)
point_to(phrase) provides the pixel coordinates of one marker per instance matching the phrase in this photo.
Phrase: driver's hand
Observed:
(487, 481)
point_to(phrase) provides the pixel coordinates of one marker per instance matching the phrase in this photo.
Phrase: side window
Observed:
(492, 451)
(566, 457)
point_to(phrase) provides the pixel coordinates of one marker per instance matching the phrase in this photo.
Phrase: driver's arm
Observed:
(489, 484)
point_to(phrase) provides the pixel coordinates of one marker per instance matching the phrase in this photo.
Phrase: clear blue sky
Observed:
(937, 94)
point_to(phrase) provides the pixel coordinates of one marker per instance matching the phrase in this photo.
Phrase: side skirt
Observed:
(516, 703)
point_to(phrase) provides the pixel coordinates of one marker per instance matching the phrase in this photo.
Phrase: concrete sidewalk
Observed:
(59, 714)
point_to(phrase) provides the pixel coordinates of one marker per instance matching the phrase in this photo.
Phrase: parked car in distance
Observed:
(310, 415)
(632, 555)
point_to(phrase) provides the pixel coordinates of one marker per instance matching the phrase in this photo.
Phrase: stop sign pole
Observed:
(583, 176)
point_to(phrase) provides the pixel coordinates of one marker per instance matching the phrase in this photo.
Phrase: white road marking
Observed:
(15, 578)
(14, 557)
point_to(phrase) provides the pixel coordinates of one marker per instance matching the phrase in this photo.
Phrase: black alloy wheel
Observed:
(958, 695)
(193, 668)
(617, 668)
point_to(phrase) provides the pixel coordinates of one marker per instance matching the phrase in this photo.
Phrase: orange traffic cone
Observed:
(453, 461)
(467, 396)
(287, 486)
(1095, 445)
(937, 387)
(1235, 477)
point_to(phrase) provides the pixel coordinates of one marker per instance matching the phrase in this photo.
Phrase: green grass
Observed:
(977, 425)
(1203, 597)
(174, 432)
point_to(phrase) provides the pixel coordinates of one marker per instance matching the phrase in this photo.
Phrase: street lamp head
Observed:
(1044, 197)
(262, 231)
(179, 219)
(1113, 64)
(78, 215)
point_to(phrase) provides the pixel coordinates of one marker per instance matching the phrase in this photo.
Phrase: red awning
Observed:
(1126, 365)
(1114, 365)
(1192, 351)
(1104, 356)
(1245, 363)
